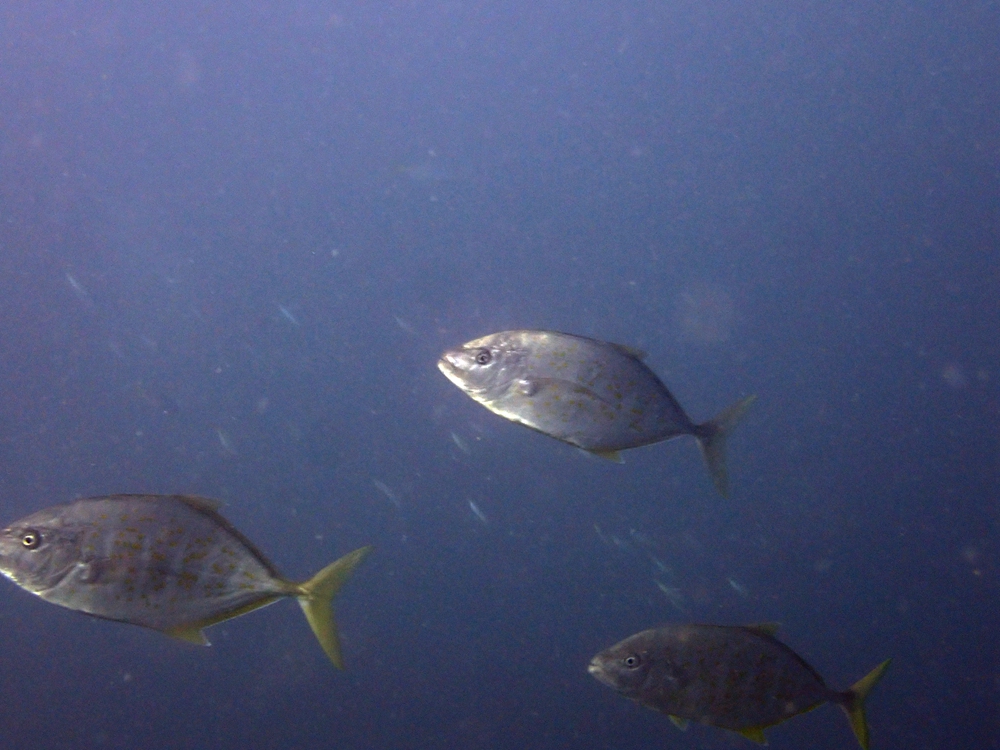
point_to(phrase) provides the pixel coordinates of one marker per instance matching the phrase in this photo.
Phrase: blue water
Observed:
(235, 237)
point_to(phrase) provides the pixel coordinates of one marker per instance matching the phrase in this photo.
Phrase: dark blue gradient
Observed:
(234, 238)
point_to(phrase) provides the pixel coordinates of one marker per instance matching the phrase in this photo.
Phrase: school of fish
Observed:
(173, 564)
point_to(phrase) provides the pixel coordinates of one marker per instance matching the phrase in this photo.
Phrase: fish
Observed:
(596, 395)
(739, 678)
(386, 490)
(287, 315)
(478, 513)
(434, 169)
(600, 534)
(225, 442)
(619, 542)
(459, 441)
(738, 587)
(404, 324)
(674, 595)
(660, 565)
(170, 563)
(79, 290)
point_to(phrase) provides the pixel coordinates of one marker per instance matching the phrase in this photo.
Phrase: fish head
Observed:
(624, 667)
(37, 552)
(486, 367)
(647, 667)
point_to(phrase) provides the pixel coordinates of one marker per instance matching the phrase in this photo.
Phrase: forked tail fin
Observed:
(316, 601)
(854, 702)
(712, 436)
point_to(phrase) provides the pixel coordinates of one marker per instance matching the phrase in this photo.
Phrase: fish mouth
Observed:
(451, 359)
(597, 671)
(446, 366)
(450, 366)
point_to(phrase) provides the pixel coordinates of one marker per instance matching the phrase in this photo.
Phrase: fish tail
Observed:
(316, 599)
(854, 702)
(712, 436)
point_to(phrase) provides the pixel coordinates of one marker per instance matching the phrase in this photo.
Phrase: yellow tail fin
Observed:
(712, 441)
(316, 601)
(854, 705)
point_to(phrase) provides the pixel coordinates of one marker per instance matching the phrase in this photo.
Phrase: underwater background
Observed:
(236, 236)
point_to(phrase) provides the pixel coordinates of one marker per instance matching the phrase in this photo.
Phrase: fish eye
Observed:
(632, 661)
(484, 357)
(31, 539)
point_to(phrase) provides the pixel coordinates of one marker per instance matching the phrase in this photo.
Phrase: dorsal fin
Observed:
(200, 503)
(764, 628)
(630, 351)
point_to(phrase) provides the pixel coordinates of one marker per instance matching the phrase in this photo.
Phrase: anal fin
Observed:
(754, 734)
(615, 456)
(189, 634)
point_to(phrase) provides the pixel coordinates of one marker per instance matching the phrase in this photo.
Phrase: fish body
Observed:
(737, 678)
(166, 562)
(593, 394)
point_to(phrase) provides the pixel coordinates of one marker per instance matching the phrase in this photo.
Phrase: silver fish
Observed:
(737, 678)
(592, 394)
(166, 562)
